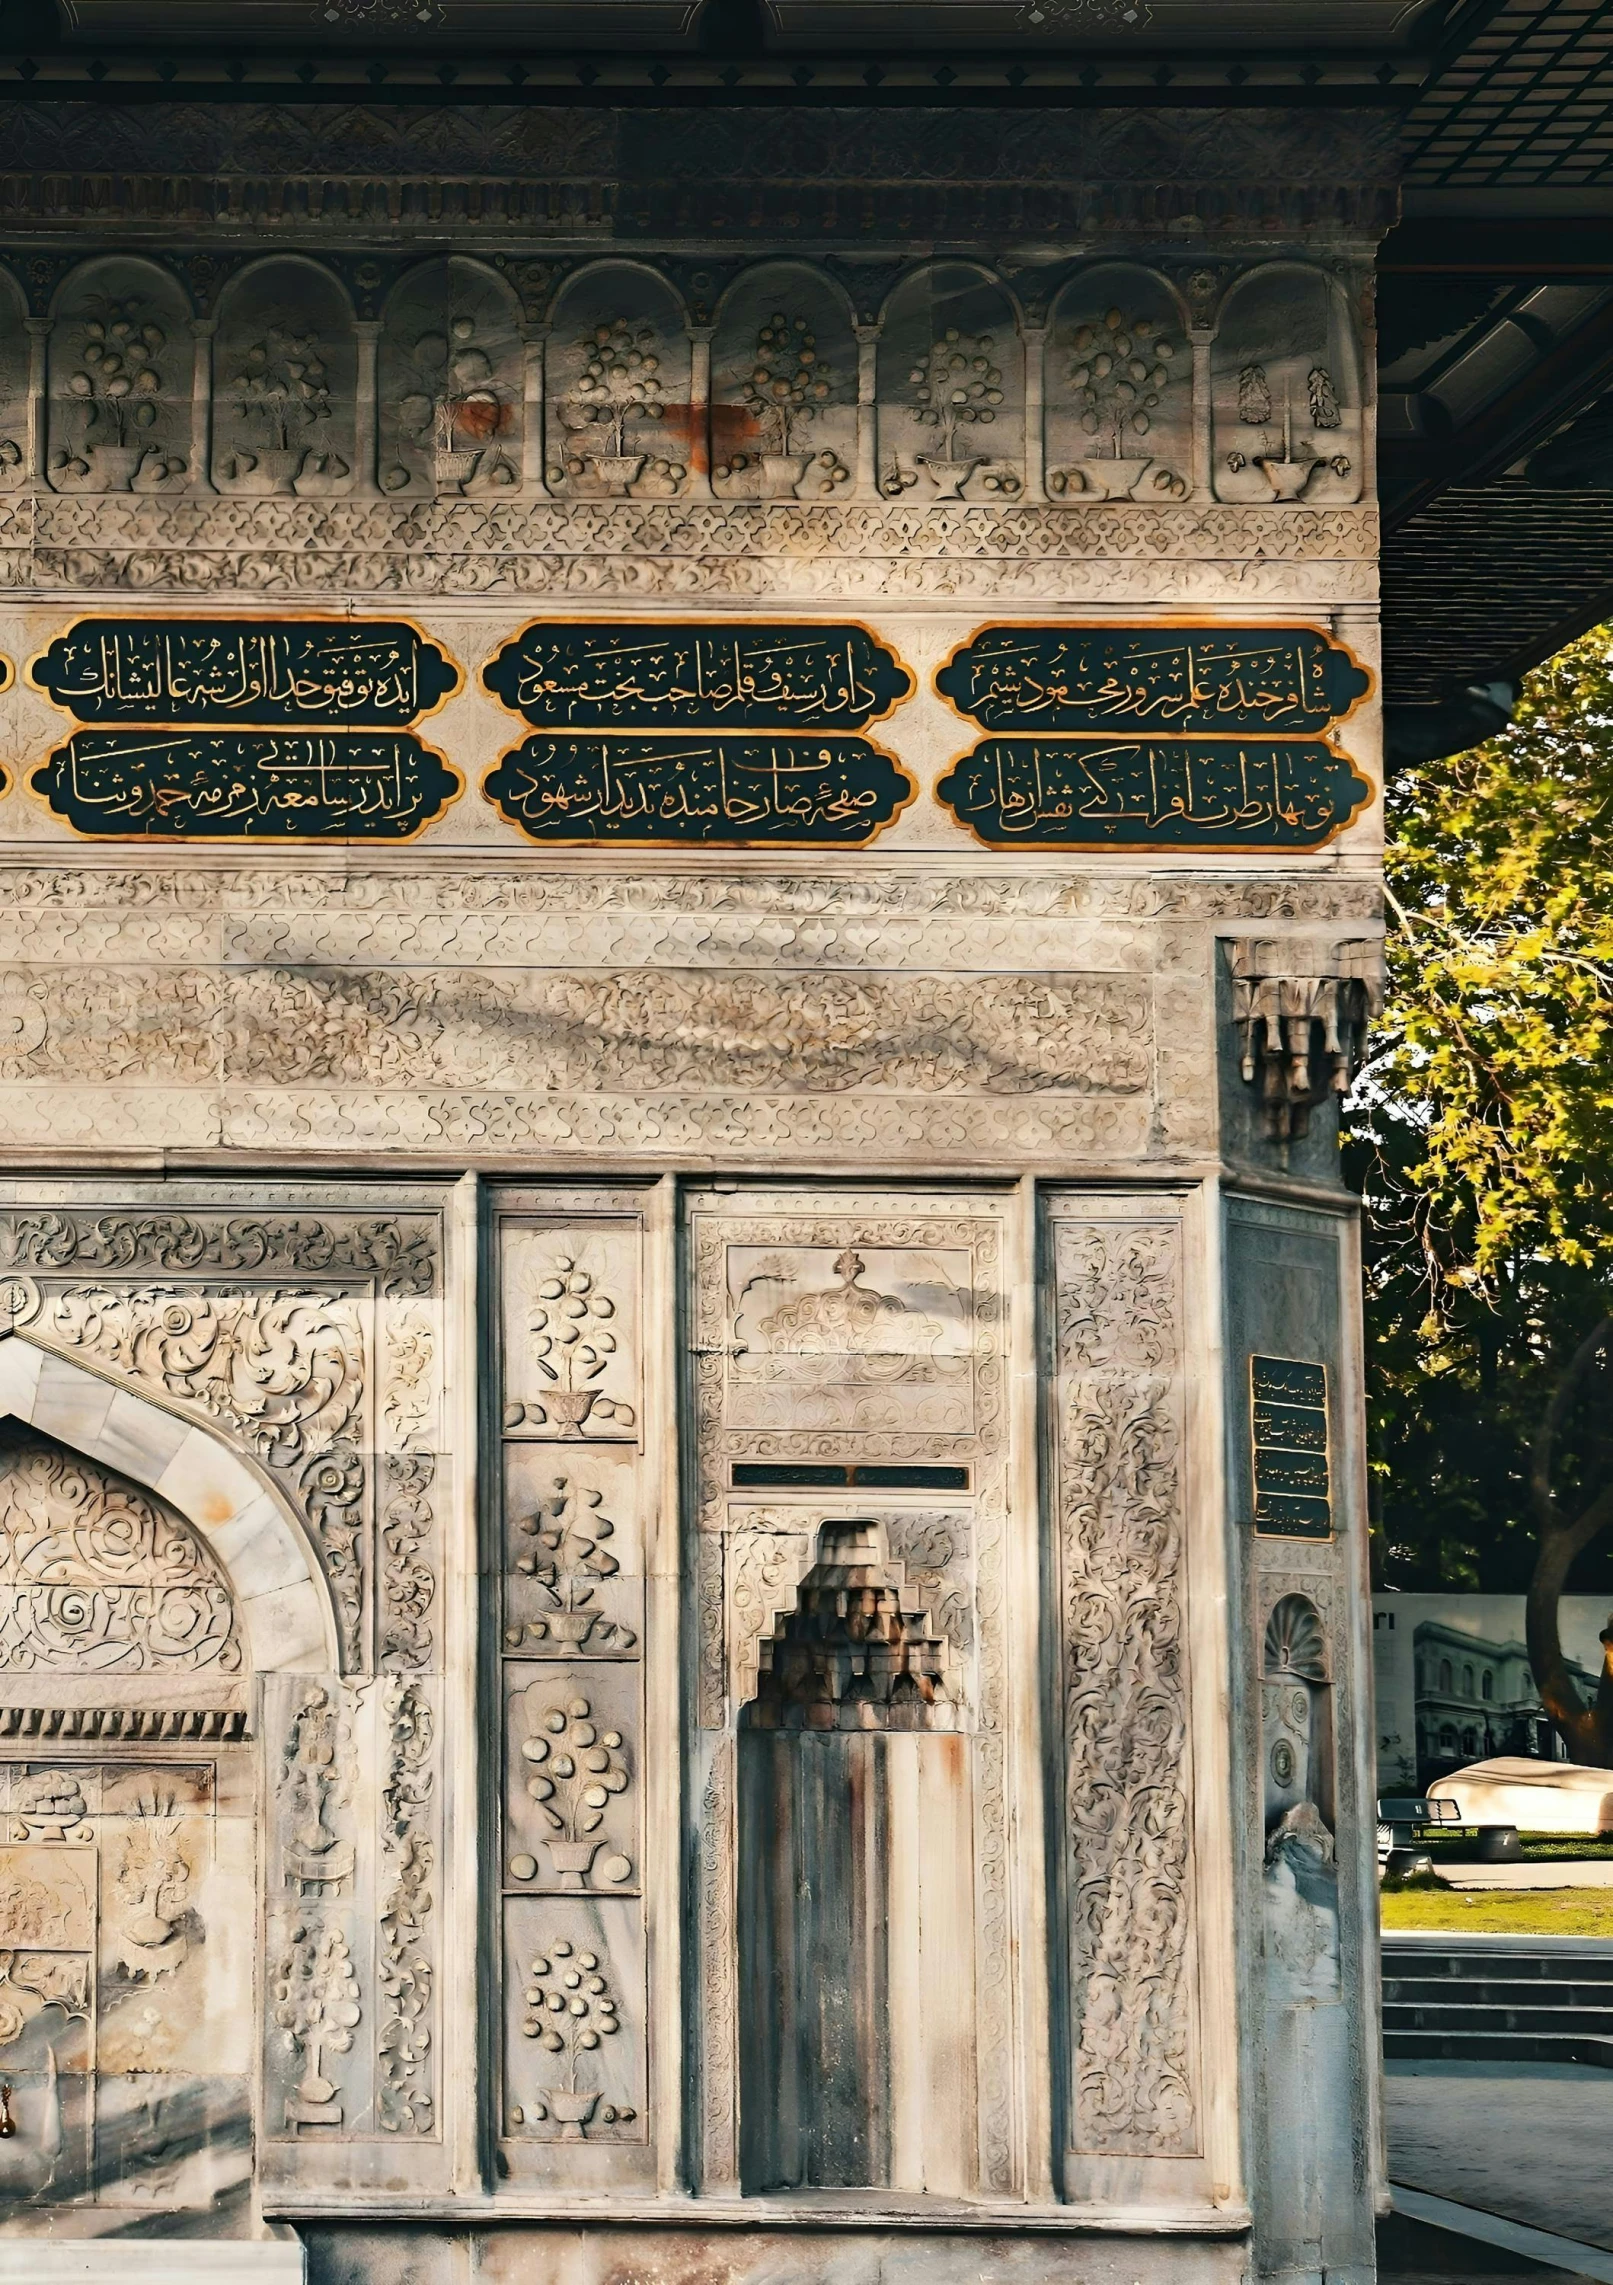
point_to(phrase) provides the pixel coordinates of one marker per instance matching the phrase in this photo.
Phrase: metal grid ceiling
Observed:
(1528, 100)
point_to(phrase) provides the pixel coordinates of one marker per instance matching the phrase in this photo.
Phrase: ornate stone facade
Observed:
(613, 1467)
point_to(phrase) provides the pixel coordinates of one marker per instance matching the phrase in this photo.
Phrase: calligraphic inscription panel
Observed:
(246, 785)
(1171, 793)
(1278, 680)
(320, 674)
(1288, 1438)
(621, 675)
(796, 791)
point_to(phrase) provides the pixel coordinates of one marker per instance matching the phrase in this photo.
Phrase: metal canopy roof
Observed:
(1496, 289)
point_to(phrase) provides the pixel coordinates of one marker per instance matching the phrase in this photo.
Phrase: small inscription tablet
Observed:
(1288, 1442)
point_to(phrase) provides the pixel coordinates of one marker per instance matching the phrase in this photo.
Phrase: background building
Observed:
(1452, 1683)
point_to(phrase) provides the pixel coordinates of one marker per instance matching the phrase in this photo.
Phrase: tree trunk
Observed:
(1586, 1730)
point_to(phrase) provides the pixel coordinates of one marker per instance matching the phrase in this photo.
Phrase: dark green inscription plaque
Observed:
(1288, 1439)
(620, 675)
(805, 792)
(323, 674)
(246, 785)
(1169, 793)
(1288, 680)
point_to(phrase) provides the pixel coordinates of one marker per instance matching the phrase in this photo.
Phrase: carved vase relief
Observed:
(452, 418)
(120, 379)
(606, 382)
(576, 2002)
(1287, 391)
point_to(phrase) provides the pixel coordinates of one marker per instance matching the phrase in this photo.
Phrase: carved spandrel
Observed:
(572, 1793)
(1121, 1526)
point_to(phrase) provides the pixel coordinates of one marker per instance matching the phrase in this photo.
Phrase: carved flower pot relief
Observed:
(1119, 370)
(569, 2010)
(576, 1769)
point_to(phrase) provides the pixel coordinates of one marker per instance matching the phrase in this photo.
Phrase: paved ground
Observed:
(1533, 2141)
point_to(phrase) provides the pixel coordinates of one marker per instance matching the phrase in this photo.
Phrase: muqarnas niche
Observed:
(856, 1889)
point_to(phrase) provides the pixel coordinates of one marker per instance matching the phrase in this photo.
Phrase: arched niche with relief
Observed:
(285, 366)
(617, 387)
(450, 383)
(951, 388)
(784, 388)
(1118, 388)
(126, 1894)
(1286, 391)
(121, 364)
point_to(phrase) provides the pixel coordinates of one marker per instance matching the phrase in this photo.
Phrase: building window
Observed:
(1487, 1686)
(1467, 1681)
(1445, 1676)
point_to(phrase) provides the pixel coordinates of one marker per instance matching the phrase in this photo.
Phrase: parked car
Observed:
(1536, 1796)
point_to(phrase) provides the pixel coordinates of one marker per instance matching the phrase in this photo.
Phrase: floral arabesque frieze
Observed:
(1108, 383)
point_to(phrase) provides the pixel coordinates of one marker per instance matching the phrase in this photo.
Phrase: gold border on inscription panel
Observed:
(298, 618)
(668, 847)
(671, 617)
(1316, 1538)
(288, 841)
(256, 729)
(1155, 852)
(1209, 624)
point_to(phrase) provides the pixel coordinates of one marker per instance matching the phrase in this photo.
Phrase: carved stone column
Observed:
(201, 404)
(534, 452)
(1035, 340)
(867, 411)
(38, 330)
(366, 485)
(1201, 337)
(700, 412)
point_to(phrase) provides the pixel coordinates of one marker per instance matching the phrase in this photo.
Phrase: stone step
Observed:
(1459, 2016)
(1500, 2047)
(1425, 1960)
(1442, 1990)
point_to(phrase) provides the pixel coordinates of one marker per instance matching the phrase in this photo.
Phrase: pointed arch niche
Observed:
(154, 1468)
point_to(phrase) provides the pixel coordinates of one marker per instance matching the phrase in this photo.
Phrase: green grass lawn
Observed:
(1501, 1912)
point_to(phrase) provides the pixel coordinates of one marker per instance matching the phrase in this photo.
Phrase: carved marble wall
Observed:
(222, 1513)
(465, 376)
(619, 1578)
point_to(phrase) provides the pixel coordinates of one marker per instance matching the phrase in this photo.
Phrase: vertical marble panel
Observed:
(574, 2101)
(1119, 1537)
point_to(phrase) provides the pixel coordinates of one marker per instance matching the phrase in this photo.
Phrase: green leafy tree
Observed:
(1482, 1138)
